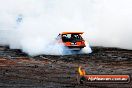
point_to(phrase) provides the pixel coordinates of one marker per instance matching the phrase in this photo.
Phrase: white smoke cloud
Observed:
(31, 25)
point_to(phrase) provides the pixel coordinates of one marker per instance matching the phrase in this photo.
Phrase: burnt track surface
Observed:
(17, 69)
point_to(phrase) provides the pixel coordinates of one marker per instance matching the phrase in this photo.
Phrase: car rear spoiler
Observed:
(72, 33)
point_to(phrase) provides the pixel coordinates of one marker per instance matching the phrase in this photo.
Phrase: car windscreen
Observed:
(71, 37)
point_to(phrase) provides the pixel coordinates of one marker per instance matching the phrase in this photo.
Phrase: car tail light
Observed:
(83, 43)
(68, 43)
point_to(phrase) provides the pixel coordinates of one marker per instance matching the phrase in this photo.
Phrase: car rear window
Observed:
(71, 37)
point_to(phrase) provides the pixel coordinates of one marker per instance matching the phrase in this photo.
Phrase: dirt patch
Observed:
(48, 71)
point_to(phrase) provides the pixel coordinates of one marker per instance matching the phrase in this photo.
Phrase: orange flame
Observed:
(81, 71)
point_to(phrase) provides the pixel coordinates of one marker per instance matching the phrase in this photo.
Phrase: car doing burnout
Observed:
(72, 40)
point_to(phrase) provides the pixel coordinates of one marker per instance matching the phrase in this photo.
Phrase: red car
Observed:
(72, 40)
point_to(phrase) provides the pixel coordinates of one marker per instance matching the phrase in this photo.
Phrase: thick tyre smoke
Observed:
(31, 25)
